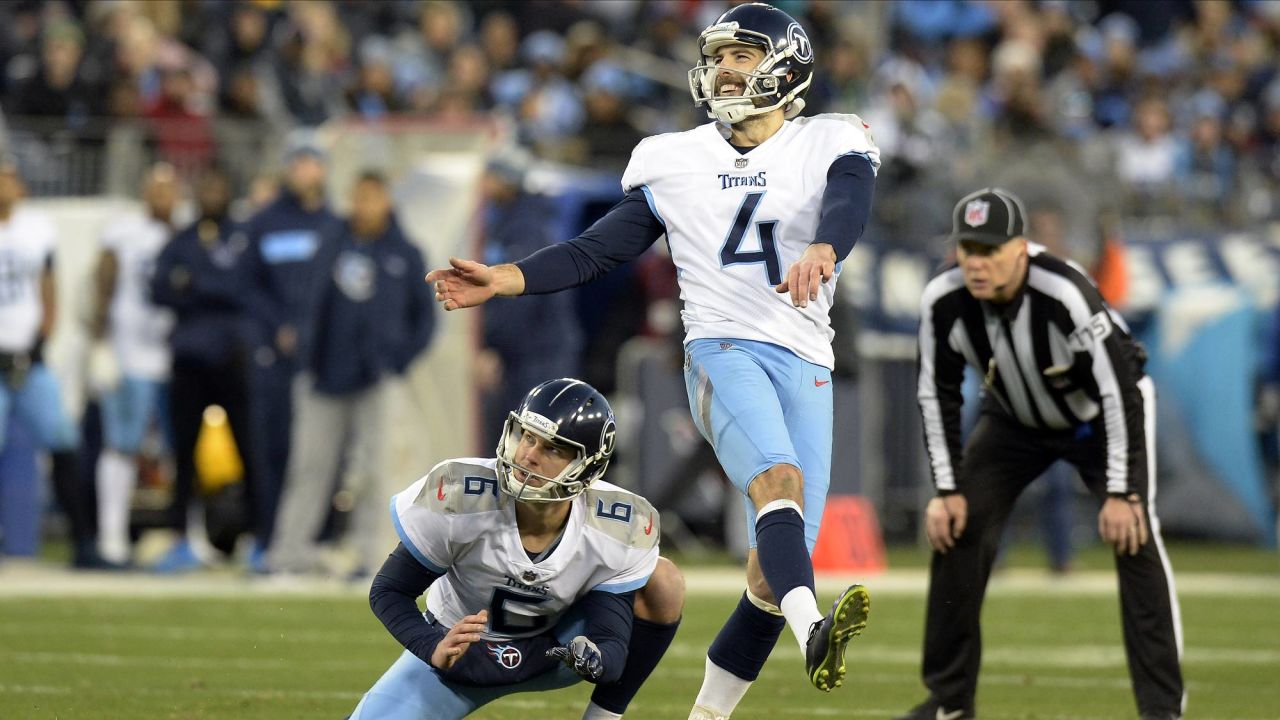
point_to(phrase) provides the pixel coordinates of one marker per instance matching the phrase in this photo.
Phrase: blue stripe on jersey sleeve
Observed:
(623, 587)
(653, 206)
(404, 538)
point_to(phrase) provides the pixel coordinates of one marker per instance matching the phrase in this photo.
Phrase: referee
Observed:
(1062, 379)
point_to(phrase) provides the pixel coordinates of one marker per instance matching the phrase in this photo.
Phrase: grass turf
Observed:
(1049, 654)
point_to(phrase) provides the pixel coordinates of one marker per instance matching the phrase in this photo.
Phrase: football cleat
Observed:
(702, 712)
(824, 652)
(933, 710)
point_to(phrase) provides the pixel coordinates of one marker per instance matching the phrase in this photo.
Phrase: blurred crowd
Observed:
(1171, 108)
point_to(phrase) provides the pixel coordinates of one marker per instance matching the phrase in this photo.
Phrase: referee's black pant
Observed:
(1001, 458)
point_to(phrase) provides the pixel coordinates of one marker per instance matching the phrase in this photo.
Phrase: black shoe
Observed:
(824, 652)
(1161, 716)
(933, 710)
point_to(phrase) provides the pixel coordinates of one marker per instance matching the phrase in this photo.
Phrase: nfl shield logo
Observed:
(529, 576)
(740, 163)
(975, 213)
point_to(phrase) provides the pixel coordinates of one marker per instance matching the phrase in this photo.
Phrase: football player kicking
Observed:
(542, 574)
(759, 209)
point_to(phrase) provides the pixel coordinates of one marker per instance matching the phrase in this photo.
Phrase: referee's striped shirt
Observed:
(1054, 358)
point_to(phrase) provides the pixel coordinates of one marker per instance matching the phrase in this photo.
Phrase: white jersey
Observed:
(736, 223)
(138, 329)
(457, 522)
(27, 241)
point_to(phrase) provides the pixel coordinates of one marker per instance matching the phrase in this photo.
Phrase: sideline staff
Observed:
(1062, 379)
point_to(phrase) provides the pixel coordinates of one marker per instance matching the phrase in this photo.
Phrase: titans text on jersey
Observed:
(732, 236)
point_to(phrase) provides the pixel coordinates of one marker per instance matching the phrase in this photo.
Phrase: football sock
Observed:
(595, 712)
(649, 640)
(116, 476)
(737, 654)
(784, 560)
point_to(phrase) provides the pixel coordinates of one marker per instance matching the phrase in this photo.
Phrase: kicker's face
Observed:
(735, 63)
(541, 456)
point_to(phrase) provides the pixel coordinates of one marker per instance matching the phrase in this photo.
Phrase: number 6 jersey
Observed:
(735, 223)
(457, 523)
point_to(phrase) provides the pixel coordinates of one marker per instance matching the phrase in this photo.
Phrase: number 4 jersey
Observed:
(456, 522)
(736, 222)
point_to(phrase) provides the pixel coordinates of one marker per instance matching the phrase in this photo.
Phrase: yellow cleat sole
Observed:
(850, 613)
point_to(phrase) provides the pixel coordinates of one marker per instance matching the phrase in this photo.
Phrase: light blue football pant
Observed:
(128, 409)
(39, 402)
(761, 405)
(412, 689)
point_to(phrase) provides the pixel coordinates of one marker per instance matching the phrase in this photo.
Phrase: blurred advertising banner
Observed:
(1201, 305)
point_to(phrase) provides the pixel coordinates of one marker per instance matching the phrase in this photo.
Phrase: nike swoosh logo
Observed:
(649, 530)
(440, 490)
(820, 383)
(953, 715)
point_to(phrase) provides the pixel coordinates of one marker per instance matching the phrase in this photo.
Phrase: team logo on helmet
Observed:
(976, 212)
(508, 656)
(799, 40)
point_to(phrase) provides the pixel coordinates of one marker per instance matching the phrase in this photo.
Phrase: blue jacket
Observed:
(287, 240)
(513, 231)
(204, 284)
(372, 314)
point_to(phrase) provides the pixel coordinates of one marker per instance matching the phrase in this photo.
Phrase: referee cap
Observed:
(992, 216)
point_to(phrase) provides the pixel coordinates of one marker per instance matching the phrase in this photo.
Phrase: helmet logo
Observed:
(541, 423)
(975, 213)
(798, 40)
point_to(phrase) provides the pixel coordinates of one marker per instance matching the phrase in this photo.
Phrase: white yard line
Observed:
(39, 580)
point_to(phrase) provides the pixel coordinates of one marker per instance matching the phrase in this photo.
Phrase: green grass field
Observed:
(243, 651)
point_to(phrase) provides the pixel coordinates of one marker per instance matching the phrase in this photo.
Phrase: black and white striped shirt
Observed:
(1054, 358)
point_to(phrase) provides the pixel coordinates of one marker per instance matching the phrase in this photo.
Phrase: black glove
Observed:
(582, 656)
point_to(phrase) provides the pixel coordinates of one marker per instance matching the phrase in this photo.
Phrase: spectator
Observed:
(59, 89)
(198, 276)
(1146, 157)
(609, 134)
(183, 136)
(370, 318)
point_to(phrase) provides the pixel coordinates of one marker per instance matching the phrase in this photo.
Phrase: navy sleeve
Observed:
(394, 599)
(623, 234)
(609, 617)
(846, 203)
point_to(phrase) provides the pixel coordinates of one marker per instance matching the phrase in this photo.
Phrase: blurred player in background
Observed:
(759, 208)
(1063, 380)
(28, 309)
(542, 574)
(136, 334)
